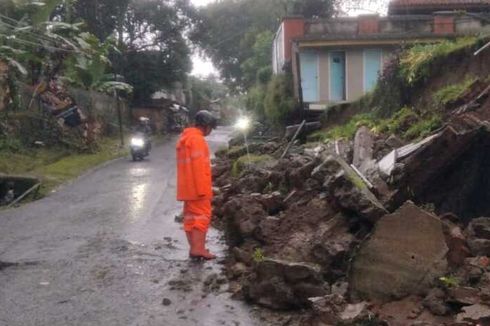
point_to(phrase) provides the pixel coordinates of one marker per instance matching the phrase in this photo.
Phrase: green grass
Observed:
(451, 93)
(415, 62)
(55, 166)
(423, 127)
(406, 123)
(346, 131)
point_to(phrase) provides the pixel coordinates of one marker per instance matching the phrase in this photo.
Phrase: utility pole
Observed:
(119, 117)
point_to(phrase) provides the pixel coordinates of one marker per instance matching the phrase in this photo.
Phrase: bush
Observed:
(391, 92)
(254, 101)
(10, 144)
(279, 101)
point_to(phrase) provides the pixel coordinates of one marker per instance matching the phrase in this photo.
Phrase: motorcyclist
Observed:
(143, 127)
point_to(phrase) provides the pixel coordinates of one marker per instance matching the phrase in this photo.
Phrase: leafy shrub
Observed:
(10, 144)
(279, 100)
(258, 255)
(254, 101)
(391, 92)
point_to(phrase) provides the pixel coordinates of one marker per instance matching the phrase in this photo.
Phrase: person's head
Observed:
(144, 121)
(205, 121)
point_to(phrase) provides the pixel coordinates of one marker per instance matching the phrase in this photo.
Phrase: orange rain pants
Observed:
(194, 181)
(197, 215)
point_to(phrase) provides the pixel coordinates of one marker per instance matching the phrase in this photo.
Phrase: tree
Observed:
(202, 92)
(101, 16)
(154, 51)
(313, 8)
(259, 64)
(228, 31)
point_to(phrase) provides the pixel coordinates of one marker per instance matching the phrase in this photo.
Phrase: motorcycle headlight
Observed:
(138, 142)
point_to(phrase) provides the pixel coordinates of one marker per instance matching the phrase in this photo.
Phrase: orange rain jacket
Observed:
(194, 180)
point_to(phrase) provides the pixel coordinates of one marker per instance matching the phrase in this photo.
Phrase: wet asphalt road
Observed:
(105, 250)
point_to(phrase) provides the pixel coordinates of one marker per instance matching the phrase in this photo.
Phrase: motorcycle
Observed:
(140, 146)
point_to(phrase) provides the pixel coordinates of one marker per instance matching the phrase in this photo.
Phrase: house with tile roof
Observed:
(339, 59)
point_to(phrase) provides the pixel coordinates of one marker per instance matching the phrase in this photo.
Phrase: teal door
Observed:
(337, 76)
(309, 76)
(372, 67)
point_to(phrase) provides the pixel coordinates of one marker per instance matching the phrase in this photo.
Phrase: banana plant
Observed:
(88, 67)
(8, 54)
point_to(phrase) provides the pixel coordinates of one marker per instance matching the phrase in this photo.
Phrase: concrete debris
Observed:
(333, 309)
(364, 149)
(300, 223)
(435, 302)
(404, 256)
(479, 240)
(476, 313)
(279, 284)
(464, 295)
(348, 189)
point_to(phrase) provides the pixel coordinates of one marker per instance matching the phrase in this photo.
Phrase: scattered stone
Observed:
(394, 142)
(166, 302)
(476, 313)
(435, 302)
(458, 249)
(480, 228)
(479, 247)
(404, 255)
(340, 288)
(464, 295)
(279, 284)
(333, 309)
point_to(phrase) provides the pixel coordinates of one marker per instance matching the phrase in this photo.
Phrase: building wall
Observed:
(355, 66)
(354, 72)
(291, 28)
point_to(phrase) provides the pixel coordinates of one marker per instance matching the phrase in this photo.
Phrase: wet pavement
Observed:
(105, 250)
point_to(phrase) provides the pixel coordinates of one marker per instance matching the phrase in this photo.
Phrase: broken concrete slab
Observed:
(403, 256)
(348, 189)
(363, 149)
(434, 170)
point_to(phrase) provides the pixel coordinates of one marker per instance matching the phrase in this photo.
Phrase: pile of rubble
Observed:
(363, 231)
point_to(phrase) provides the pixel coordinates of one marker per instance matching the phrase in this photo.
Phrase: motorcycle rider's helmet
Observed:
(204, 118)
(144, 120)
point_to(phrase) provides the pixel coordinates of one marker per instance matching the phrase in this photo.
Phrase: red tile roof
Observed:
(438, 5)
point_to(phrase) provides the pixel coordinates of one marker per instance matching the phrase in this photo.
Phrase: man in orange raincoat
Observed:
(194, 182)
